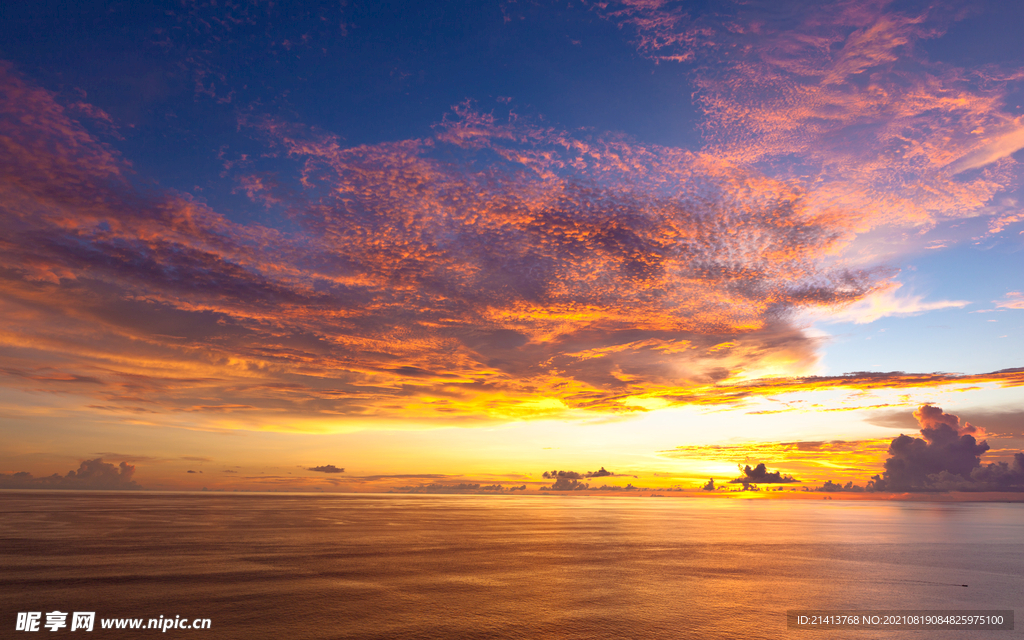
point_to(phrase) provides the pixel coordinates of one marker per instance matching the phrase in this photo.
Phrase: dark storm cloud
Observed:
(1000, 476)
(947, 457)
(761, 475)
(91, 475)
(327, 468)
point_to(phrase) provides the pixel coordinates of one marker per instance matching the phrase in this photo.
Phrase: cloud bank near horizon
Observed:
(92, 475)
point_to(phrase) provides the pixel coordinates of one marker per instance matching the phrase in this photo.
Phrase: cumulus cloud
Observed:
(326, 468)
(998, 476)
(932, 418)
(835, 487)
(761, 475)
(572, 475)
(91, 475)
(564, 483)
(947, 457)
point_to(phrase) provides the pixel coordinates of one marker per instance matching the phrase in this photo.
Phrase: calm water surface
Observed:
(446, 567)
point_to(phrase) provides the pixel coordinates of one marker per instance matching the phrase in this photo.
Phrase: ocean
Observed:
(372, 566)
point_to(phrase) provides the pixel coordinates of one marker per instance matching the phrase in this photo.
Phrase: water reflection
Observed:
(374, 566)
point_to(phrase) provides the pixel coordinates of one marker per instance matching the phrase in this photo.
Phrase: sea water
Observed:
(448, 567)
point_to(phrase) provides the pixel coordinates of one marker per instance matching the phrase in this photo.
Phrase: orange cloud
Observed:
(573, 271)
(884, 303)
(492, 270)
(839, 98)
(1012, 300)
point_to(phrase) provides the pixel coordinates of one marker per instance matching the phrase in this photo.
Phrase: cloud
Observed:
(628, 487)
(991, 150)
(761, 475)
(91, 475)
(499, 268)
(807, 450)
(1012, 300)
(462, 487)
(327, 468)
(833, 487)
(932, 418)
(128, 457)
(709, 485)
(999, 476)
(841, 98)
(572, 475)
(946, 458)
(991, 422)
(995, 422)
(861, 380)
(567, 484)
(425, 476)
(532, 271)
(886, 303)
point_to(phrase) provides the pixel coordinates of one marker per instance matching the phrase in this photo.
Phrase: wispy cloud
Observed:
(840, 98)
(999, 147)
(883, 304)
(1012, 300)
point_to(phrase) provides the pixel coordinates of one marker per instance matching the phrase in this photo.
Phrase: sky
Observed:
(447, 246)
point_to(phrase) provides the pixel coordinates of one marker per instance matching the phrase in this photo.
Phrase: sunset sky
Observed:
(364, 246)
